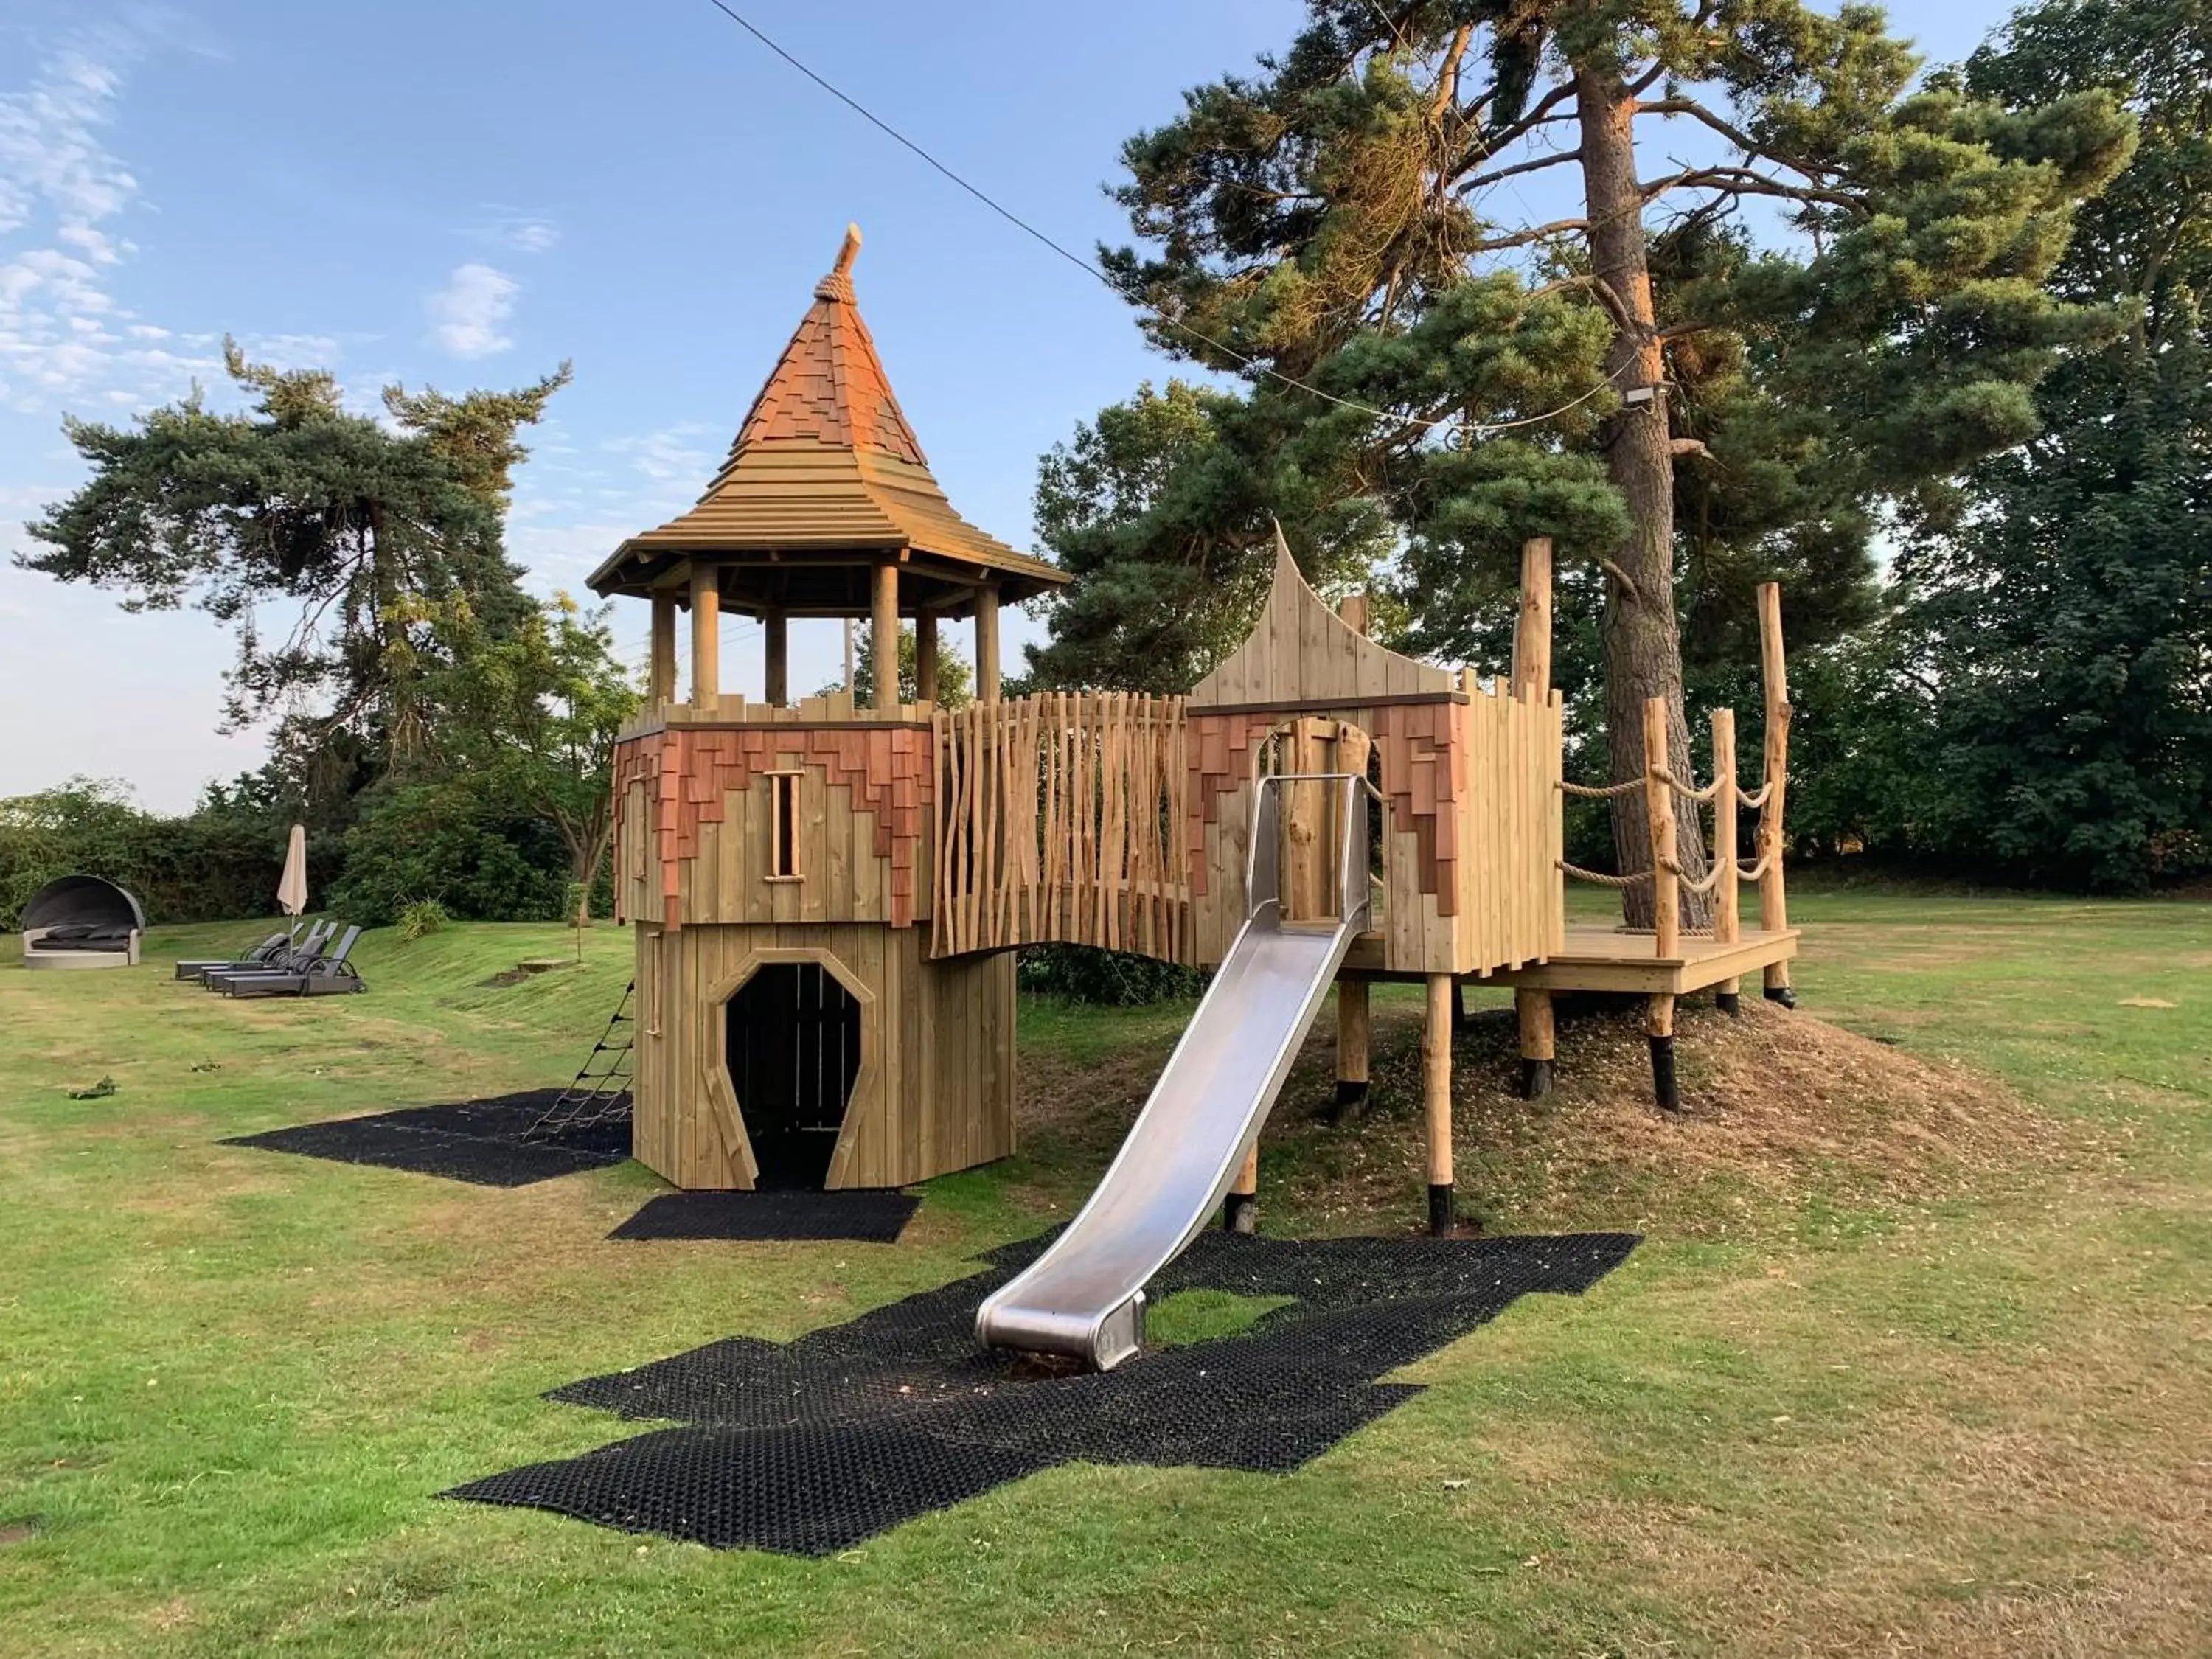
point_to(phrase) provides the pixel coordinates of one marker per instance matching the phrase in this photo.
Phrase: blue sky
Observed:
(466, 193)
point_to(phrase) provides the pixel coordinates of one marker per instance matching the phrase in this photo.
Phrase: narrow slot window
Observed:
(783, 827)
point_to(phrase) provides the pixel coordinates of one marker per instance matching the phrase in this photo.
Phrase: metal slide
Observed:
(1085, 1295)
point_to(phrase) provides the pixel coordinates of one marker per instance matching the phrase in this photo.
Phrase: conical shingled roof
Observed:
(826, 466)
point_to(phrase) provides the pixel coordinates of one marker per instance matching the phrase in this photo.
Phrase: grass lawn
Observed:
(1843, 1399)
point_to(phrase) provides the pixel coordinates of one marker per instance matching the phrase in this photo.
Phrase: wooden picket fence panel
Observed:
(1059, 818)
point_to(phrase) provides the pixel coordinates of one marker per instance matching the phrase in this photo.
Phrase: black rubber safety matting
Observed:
(862, 1217)
(808, 1447)
(475, 1141)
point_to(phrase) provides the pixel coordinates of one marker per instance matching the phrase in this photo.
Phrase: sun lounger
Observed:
(286, 959)
(261, 955)
(326, 976)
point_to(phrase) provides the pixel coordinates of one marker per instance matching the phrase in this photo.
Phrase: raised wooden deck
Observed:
(1606, 959)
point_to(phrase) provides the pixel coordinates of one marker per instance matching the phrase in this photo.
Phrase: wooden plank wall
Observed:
(1058, 817)
(935, 1092)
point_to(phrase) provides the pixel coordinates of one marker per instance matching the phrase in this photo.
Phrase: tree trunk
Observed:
(1642, 640)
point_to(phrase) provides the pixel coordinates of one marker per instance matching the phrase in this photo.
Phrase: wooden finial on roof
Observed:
(838, 284)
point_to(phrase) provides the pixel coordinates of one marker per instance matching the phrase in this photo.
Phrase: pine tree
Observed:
(1787, 292)
(380, 541)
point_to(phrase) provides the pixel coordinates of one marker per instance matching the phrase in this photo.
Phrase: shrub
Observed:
(1111, 979)
(422, 918)
(480, 859)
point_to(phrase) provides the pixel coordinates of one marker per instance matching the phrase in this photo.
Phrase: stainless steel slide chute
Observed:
(1085, 1296)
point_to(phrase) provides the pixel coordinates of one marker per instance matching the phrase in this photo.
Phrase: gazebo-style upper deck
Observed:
(826, 507)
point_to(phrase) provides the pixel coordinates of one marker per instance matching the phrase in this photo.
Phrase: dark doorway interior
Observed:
(794, 1044)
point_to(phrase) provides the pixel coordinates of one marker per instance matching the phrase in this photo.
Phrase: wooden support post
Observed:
(706, 635)
(1659, 813)
(1241, 1212)
(1532, 684)
(1308, 851)
(925, 656)
(884, 638)
(1727, 909)
(1532, 631)
(986, 644)
(1533, 1010)
(660, 679)
(775, 629)
(1666, 896)
(1358, 612)
(1355, 1026)
(1436, 1102)
(1773, 908)
(1661, 1025)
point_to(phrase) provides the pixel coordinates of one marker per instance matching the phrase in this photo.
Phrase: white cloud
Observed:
(671, 455)
(470, 311)
(62, 337)
(532, 236)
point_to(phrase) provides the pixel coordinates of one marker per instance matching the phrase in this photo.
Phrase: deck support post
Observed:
(1241, 1214)
(775, 631)
(1435, 1101)
(884, 638)
(1532, 1009)
(1774, 905)
(706, 636)
(1660, 1026)
(1355, 1024)
(925, 656)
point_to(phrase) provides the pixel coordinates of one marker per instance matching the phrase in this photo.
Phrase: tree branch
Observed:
(1487, 144)
(1608, 295)
(1535, 165)
(1735, 135)
(1522, 239)
(1748, 181)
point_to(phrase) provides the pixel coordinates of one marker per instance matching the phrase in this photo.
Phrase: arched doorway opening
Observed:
(791, 1041)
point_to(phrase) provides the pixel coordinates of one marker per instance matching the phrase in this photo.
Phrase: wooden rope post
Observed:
(1241, 1214)
(1666, 896)
(775, 631)
(1532, 684)
(1773, 906)
(986, 644)
(884, 637)
(660, 682)
(1355, 1028)
(925, 656)
(1727, 909)
(706, 635)
(1435, 1101)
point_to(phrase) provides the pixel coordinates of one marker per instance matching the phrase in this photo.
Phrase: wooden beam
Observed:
(884, 637)
(1531, 630)
(1435, 1101)
(776, 629)
(1773, 906)
(706, 635)
(661, 679)
(1359, 613)
(925, 656)
(986, 644)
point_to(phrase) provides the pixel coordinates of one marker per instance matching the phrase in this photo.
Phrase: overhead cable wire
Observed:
(1468, 430)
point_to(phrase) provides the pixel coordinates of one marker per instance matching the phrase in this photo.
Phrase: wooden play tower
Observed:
(827, 898)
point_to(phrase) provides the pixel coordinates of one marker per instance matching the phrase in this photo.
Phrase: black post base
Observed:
(1729, 1002)
(1241, 1214)
(1664, 1089)
(1535, 1078)
(1351, 1100)
(1782, 995)
(1442, 1216)
(1459, 1003)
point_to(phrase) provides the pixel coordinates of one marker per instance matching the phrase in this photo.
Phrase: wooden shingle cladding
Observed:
(824, 480)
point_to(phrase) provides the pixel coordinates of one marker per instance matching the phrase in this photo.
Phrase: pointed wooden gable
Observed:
(1303, 653)
(824, 477)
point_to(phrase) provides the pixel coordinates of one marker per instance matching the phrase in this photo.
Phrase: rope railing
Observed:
(1666, 776)
(1593, 792)
(1754, 798)
(1598, 877)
